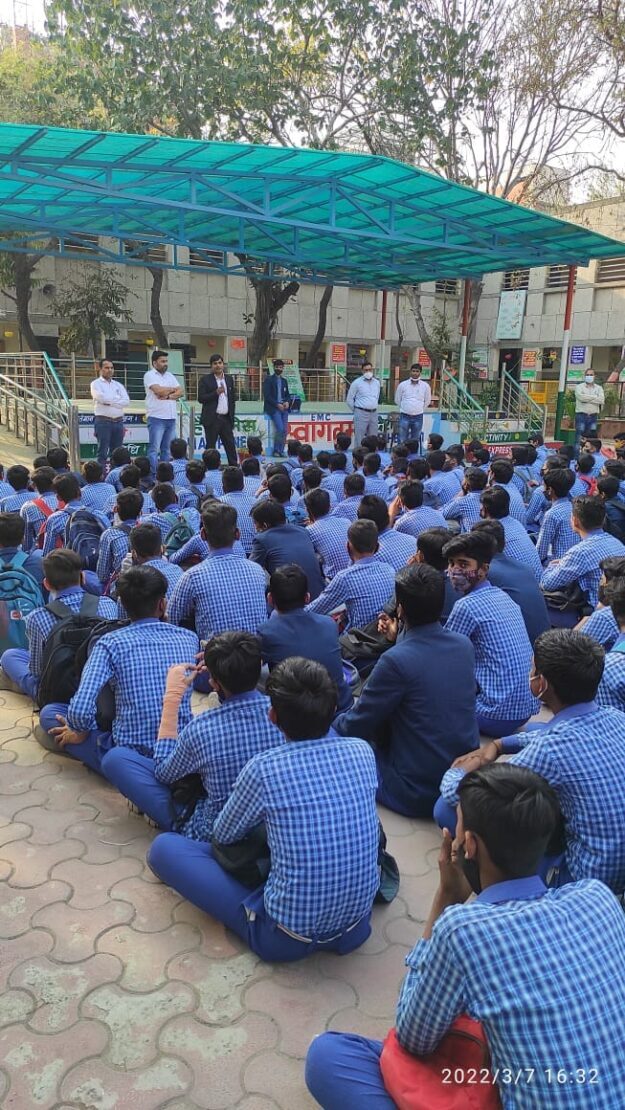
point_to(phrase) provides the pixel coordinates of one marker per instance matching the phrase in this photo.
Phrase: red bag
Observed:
(47, 511)
(456, 1076)
(591, 483)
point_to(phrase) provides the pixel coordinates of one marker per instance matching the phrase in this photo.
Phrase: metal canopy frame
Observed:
(318, 216)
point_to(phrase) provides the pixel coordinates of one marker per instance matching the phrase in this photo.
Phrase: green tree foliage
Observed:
(92, 307)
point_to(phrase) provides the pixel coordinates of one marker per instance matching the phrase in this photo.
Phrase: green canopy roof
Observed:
(323, 216)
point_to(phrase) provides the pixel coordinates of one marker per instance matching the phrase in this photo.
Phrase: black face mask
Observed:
(470, 869)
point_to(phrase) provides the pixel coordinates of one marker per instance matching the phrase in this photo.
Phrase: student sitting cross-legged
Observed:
(134, 662)
(215, 745)
(542, 970)
(316, 797)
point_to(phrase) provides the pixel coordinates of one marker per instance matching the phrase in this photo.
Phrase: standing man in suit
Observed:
(277, 402)
(216, 395)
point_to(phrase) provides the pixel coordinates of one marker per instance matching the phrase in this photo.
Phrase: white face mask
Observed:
(368, 374)
(589, 379)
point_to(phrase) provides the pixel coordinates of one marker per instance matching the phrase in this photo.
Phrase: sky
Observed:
(28, 12)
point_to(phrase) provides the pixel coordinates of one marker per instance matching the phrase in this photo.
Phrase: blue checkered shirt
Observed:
(216, 745)
(363, 588)
(14, 501)
(214, 482)
(611, 690)
(536, 509)
(99, 496)
(135, 661)
(465, 509)
(252, 483)
(6, 490)
(520, 547)
(334, 483)
(602, 626)
(179, 467)
(225, 592)
(329, 537)
(40, 622)
(556, 535)
(317, 799)
(114, 545)
(581, 564)
(113, 476)
(243, 502)
(172, 573)
(517, 504)
(543, 971)
(396, 548)
(302, 511)
(444, 486)
(415, 521)
(578, 489)
(503, 654)
(348, 507)
(376, 485)
(33, 518)
(187, 498)
(58, 521)
(198, 548)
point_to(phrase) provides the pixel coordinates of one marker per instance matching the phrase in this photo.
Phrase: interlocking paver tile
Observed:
(75, 931)
(59, 990)
(417, 892)
(12, 804)
(15, 830)
(96, 1086)
(295, 1010)
(15, 1006)
(92, 882)
(33, 863)
(146, 955)
(216, 941)
(255, 1102)
(153, 902)
(27, 946)
(18, 780)
(280, 1078)
(219, 985)
(346, 1021)
(374, 977)
(134, 1020)
(27, 752)
(36, 1064)
(18, 908)
(50, 825)
(218, 1055)
(100, 845)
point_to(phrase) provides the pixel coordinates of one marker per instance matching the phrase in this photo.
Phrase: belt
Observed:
(360, 409)
(315, 940)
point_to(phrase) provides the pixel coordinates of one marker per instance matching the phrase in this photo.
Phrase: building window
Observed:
(611, 271)
(145, 250)
(516, 279)
(447, 287)
(206, 259)
(85, 244)
(558, 277)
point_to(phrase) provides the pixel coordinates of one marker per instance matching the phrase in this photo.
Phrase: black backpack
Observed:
(59, 677)
(105, 711)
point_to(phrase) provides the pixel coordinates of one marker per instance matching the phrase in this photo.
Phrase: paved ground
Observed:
(117, 994)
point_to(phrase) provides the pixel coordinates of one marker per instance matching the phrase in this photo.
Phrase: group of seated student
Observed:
(266, 803)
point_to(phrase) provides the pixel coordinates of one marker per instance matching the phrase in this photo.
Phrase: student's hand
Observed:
(472, 761)
(388, 627)
(65, 735)
(180, 677)
(454, 887)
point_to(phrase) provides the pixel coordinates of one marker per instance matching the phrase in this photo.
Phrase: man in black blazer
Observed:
(277, 544)
(216, 395)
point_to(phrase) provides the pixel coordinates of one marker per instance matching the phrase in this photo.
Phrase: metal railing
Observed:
(458, 405)
(519, 406)
(34, 405)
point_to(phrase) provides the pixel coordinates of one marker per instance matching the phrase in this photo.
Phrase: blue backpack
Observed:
(82, 535)
(19, 595)
(181, 532)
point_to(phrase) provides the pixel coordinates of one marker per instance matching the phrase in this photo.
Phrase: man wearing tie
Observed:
(277, 402)
(216, 395)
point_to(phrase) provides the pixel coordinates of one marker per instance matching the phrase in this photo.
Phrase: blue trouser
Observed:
(109, 434)
(280, 422)
(133, 775)
(161, 433)
(15, 663)
(343, 1073)
(190, 868)
(498, 726)
(91, 750)
(410, 427)
(558, 619)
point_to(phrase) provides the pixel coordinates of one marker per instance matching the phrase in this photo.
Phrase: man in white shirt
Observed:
(161, 393)
(589, 400)
(110, 399)
(362, 398)
(412, 398)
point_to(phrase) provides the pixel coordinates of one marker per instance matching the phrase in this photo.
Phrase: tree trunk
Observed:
(271, 297)
(477, 288)
(23, 267)
(155, 307)
(400, 330)
(413, 293)
(315, 346)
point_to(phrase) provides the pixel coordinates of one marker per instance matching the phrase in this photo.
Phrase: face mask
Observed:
(368, 375)
(536, 693)
(589, 379)
(415, 381)
(463, 580)
(470, 869)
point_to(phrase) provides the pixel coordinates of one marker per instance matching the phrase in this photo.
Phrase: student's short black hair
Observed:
(567, 451)
(475, 478)
(411, 494)
(519, 454)
(232, 479)
(608, 487)
(473, 545)
(596, 444)
(39, 461)
(304, 452)
(146, 540)
(502, 470)
(371, 463)
(420, 590)
(571, 662)
(323, 458)
(268, 512)
(473, 445)
(119, 456)
(92, 471)
(436, 460)
(410, 445)
(532, 454)
(419, 469)
(255, 445)
(374, 508)
(585, 462)
(140, 589)
(559, 481)
(613, 567)
(129, 504)
(400, 453)
(234, 660)
(363, 536)
(312, 477)
(62, 568)
(156, 354)
(250, 467)
(219, 524)
(342, 441)
(178, 448)
(211, 458)
(196, 471)
(216, 357)
(303, 697)
(292, 448)
(431, 544)
(481, 456)
(18, 476)
(43, 479)
(354, 485)
(496, 502)
(514, 812)
(455, 451)
(276, 468)
(369, 443)
(535, 438)
(130, 477)
(317, 502)
(163, 494)
(615, 595)
(164, 472)
(589, 512)
(492, 528)
(358, 455)
(288, 587)
(12, 527)
(66, 487)
(337, 461)
(435, 441)
(58, 458)
(280, 488)
(615, 468)
(142, 464)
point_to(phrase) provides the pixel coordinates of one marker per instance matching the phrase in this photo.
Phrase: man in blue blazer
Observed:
(277, 402)
(418, 706)
(277, 543)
